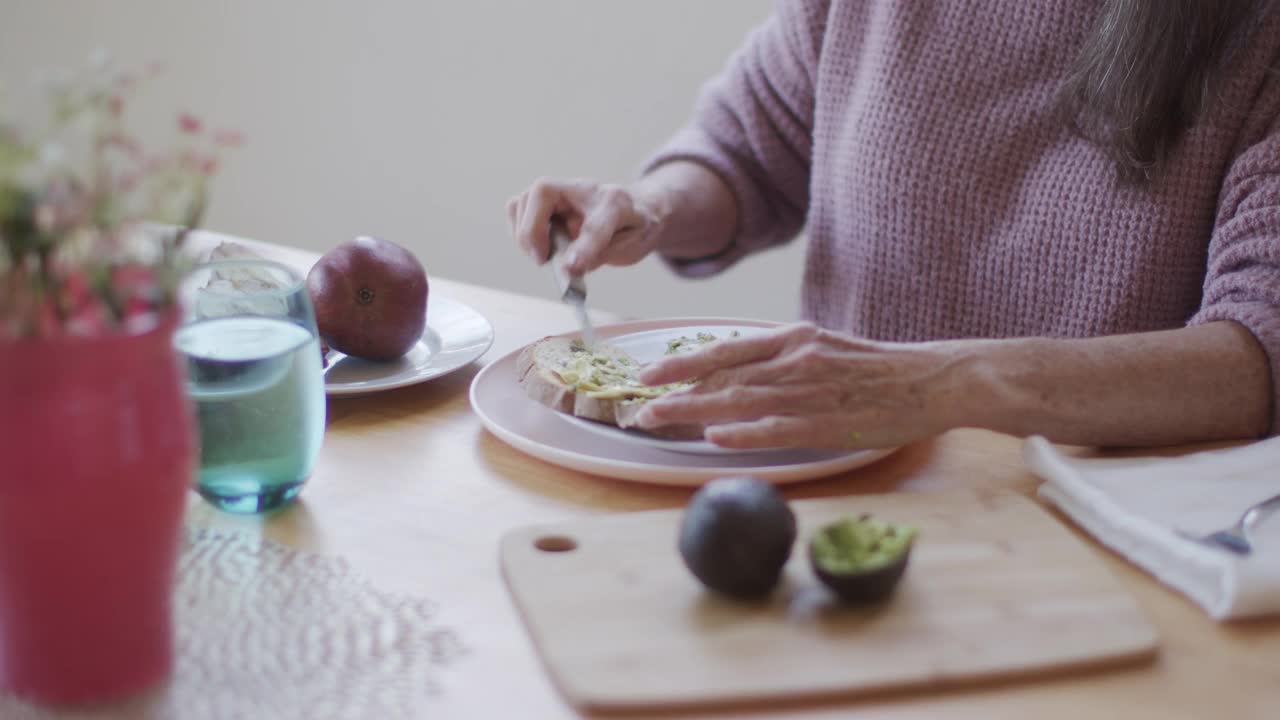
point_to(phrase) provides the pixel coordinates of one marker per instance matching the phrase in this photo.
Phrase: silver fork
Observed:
(1236, 538)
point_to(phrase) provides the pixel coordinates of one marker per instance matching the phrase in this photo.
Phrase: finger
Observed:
(544, 199)
(513, 213)
(776, 370)
(821, 431)
(846, 342)
(523, 205)
(629, 247)
(726, 354)
(574, 224)
(591, 246)
(612, 214)
(515, 210)
(738, 404)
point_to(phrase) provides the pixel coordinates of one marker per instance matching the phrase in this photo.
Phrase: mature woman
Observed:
(1057, 217)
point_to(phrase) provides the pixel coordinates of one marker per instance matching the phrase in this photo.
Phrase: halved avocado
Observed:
(736, 536)
(861, 559)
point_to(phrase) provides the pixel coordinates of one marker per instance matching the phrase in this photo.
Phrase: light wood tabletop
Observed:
(415, 494)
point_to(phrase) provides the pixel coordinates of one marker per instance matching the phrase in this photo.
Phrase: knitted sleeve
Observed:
(1243, 278)
(753, 127)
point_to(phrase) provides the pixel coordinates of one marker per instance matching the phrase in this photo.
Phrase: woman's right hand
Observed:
(609, 224)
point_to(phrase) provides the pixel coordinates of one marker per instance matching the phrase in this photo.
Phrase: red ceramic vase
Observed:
(97, 451)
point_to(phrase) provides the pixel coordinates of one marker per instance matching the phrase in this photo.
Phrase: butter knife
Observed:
(572, 286)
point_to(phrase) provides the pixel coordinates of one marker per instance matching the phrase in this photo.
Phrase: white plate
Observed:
(649, 346)
(455, 336)
(503, 408)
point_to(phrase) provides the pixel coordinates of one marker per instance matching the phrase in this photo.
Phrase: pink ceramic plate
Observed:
(503, 408)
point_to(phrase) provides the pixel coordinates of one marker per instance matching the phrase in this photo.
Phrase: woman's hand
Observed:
(680, 209)
(610, 224)
(800, 386)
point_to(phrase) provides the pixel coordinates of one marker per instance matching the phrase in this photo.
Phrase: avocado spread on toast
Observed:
(606, 376)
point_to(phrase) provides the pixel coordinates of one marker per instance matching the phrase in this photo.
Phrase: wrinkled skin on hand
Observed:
(803, 387)
(611, 224)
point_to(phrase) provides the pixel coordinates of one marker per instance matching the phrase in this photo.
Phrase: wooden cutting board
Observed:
(996, 588)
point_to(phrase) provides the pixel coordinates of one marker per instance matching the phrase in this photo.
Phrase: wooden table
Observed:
(415, 494)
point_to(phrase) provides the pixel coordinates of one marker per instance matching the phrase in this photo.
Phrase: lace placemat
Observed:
(266, 631)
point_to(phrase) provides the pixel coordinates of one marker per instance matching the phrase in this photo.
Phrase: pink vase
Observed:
(96, 456)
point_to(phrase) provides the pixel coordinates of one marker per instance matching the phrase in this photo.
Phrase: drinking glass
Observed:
(256, 378)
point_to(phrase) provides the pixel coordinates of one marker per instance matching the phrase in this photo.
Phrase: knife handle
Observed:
(571, 285)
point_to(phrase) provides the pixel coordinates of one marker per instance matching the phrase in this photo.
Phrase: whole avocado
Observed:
(370, 298)
(736, 536)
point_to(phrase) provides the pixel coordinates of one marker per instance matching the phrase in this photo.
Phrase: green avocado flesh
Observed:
(857, 545)
(608, 377)
(685, 343)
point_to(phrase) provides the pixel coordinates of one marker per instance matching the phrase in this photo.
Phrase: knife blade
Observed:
(572, 286)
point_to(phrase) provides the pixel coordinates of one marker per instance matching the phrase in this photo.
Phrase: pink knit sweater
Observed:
(942, 199)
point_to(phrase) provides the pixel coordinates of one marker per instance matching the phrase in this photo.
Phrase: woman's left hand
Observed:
(803, 387)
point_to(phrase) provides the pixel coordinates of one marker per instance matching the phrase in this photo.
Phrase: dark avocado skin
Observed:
(865, 587)
(736, 536)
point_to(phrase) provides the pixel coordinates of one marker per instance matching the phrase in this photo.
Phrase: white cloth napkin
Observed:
(1136, 506)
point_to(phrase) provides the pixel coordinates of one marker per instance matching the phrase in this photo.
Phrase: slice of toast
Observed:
(601, 384)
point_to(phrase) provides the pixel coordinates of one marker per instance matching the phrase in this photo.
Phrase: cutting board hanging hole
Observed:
(555, 544)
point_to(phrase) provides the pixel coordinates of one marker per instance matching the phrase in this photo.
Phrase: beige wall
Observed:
(417, 119)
